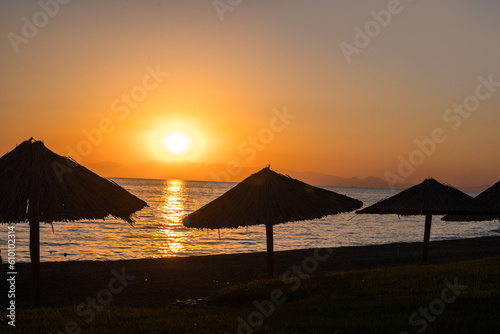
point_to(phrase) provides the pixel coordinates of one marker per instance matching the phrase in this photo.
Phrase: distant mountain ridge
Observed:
(219, 172)
(332, 180)
(187, 170)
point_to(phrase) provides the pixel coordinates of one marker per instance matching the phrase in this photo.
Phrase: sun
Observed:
(176, 142)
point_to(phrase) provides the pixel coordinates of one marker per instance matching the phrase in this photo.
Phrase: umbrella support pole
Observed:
(270, 251)
(35, 262)
(427, 235)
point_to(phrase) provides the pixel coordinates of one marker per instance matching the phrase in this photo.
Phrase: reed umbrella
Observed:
(427, 198)
(269, 198)
(490, 197)
(39, 186)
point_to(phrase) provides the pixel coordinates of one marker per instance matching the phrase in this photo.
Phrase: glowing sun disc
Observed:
(176, 142)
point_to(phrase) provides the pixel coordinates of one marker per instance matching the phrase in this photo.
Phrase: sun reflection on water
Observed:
(175, 196)
(173, 232)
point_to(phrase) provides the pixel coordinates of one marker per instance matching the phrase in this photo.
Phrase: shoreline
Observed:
(156, 283)
(495, 233)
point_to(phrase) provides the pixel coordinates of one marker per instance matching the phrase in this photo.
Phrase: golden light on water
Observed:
(172, 233)
(174, 201)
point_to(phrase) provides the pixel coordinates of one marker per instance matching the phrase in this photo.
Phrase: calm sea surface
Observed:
(158, 231)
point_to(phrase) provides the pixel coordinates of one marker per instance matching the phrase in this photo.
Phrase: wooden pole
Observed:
(35, 263)
(270, 251)
(427, 235)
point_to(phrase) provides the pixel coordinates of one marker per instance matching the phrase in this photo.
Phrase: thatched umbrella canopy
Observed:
(269, 198)
(427, 198)
(490, 197)
(39, 186)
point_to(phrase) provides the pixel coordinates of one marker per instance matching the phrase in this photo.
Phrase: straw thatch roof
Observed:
(428, 197)
(38, 185)
(490, 197)
(268, 197)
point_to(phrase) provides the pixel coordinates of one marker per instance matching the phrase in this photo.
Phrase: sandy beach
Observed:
(156, 283)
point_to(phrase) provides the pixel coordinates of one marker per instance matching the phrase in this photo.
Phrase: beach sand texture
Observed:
(160, 282)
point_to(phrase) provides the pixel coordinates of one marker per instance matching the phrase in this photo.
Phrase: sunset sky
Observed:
(263, 82)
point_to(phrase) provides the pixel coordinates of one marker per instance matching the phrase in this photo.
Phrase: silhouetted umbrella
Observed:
(490, 197)
(269, 198)
(39, 186)
(427, 198)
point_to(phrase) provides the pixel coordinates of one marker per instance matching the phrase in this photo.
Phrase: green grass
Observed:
(368, 301)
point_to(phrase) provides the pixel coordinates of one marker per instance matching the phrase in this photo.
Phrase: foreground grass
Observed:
(368, 301)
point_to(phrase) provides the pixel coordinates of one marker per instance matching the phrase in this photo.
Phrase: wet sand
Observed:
(159, 282)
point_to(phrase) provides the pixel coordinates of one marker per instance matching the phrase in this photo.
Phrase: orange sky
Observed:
(227, 81)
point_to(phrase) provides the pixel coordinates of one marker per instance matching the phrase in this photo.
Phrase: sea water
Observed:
(158, 230)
